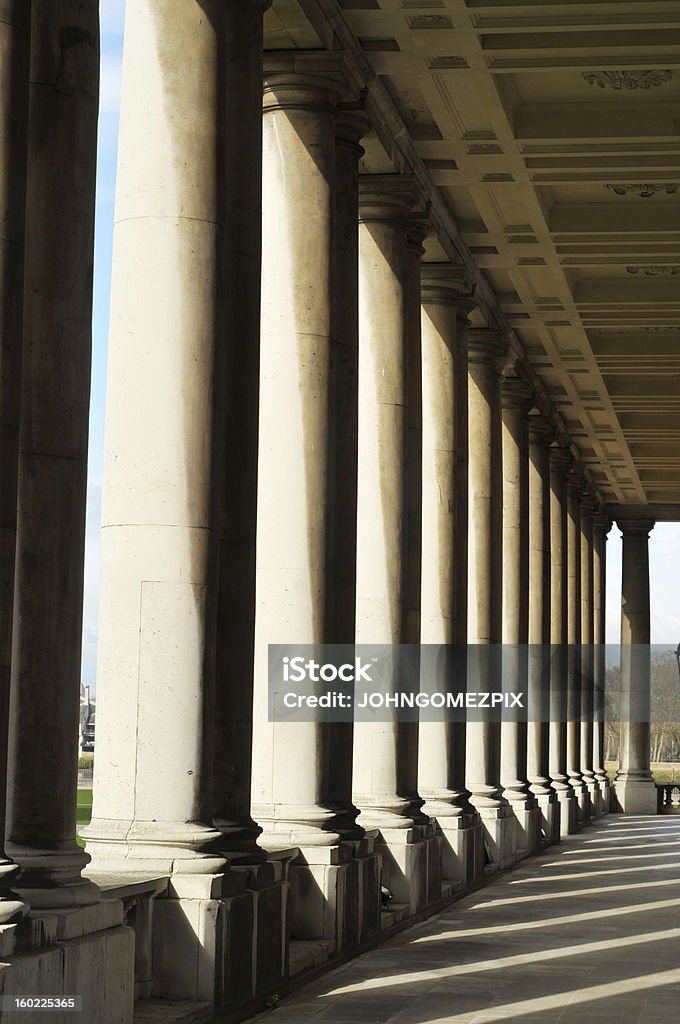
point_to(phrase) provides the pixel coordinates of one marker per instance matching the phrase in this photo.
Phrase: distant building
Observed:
(87, 716)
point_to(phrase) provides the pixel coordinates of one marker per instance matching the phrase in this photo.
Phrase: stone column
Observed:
(485, 589)
(538, 729)
(587, 656)
(441, 769)
(411, 608)
(236, 487)
(385, 752)
(417, 231)
(635, 789)
(574, 488)
(52, 466)
(340, 592)
(175, 659)
(516, 403)
(307, 478)
(559, 463)
(601, 527)
(291, 798)
(176, 615)
(14, 77)
(461, 497)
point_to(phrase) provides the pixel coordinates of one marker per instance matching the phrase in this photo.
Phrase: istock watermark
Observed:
(432, 682)
(298, 669)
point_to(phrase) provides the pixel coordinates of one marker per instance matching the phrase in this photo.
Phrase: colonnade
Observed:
(307, 441)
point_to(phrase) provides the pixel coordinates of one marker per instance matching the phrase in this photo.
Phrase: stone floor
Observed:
(587, 933)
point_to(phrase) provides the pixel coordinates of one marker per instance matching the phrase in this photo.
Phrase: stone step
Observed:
(172, 1011)
(306, 953)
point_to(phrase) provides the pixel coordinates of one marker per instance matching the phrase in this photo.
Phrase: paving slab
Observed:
(588, 932)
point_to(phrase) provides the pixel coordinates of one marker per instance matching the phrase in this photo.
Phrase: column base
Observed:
(580, 791)
(549, 818)
(636, 796)
(462, 850)
(499, 837)
(566, 798)
(335, 893)
(605, 792)
(50, 879)
(594, 796)
(222, 939)
(11, 907)
(527, 822)
(398, 814)
(156, 847)
(541, 787)
(284, 826)
(411, 865)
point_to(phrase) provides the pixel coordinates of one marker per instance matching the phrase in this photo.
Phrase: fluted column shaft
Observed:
(538, 738)
(52, 466)
(14, 88)
(635, 790)
(441, 769)
(174, 672)
(296, 466)
(559, 461)
(385, 755)
(484, 556)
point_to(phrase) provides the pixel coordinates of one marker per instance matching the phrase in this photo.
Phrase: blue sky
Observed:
(112, 12)
(665, 543)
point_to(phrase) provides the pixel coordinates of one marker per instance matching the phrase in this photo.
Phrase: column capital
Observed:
(516, 393)
(385, 197)
(560, 458)
(488, 348)
(418, 228)
(575, 481)
(303, 81)
(602, 524)
(350, 128)
(589, 504)
(466, 303)
(541, 430)
(444, 284)
(635, 527)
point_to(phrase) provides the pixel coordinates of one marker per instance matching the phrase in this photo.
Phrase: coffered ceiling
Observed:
(549, 135)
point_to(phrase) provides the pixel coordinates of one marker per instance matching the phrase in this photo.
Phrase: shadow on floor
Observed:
(586, 933)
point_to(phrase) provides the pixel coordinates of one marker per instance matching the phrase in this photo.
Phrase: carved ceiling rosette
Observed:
(656, 270)
(644, 189)
(627, 80)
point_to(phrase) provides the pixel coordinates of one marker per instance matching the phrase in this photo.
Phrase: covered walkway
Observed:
(586, 932)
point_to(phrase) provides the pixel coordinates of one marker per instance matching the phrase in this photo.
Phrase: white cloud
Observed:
(109, 84)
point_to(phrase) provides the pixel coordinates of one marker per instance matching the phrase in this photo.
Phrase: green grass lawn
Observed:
(83, 810)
